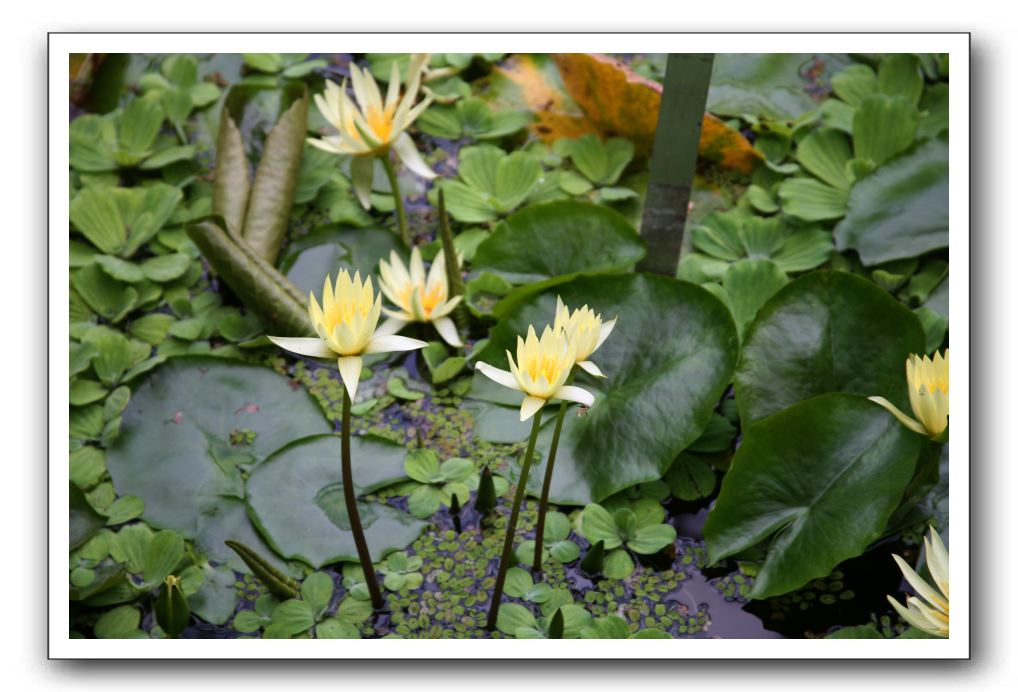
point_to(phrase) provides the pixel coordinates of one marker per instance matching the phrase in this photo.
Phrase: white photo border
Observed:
(61, 646)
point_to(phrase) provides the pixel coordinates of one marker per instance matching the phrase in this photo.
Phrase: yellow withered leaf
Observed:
(573, 94)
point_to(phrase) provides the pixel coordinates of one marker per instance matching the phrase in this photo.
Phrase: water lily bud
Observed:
(171, 610)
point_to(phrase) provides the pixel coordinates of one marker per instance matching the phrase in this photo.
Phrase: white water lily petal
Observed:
(938, 561)
(398, 315)
(923, 589)
(530, 406)
(391, 343)
(407, 152)
(907, 421)
(417, 273)
(350, 372)
(392, 95)
(447, 330)
(390, 326)
(313, 348)
(591, 368)
(577, 394)
(909, 616)
(362, 172)
(328, 144)
(500, 376)
(606, 329)
(446, 307)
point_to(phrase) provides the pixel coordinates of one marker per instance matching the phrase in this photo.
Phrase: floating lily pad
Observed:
(822, 477)
(178, 444)
(668, 360)
(559, 239)
(769, 84)
(901, 210)
(828, 331)
(296, 500)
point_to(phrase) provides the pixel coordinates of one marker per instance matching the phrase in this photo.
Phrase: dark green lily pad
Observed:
(559, 239)
(770, 84)
(828, 331)
(901, 210)
(822, 477)
(179, 442)
(296, 500)
(668, 360)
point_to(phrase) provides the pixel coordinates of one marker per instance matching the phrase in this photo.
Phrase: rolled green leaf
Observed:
(278, 584)
(232, 185)
(171, 610)
(268, 210)
(593, 561)
(485, 501)
(258, 285)
(557, 625)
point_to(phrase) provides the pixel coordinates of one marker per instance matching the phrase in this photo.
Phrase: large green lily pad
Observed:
(296, 500)
(827, 331)
(188, 431)
(822, 478)
(770, 84)
(667, 362)
(901, 210)
(557, 239)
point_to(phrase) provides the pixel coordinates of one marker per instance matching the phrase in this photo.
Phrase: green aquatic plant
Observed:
(637, 529)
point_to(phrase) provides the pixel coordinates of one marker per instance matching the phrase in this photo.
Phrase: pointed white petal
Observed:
(411, 158)
(417, 275)
(531, 405)
(447, 330)
(571, 393)
(924, 590)
(591, 368)
(392, 95)
(446, 307)
(362, 171)
(390, 326)
(350, 372)
(326, 144)
(907, 421)
(503, 377)
(938, 560)
(391, 342)
(910, 617)
(315, 348)
(606, 329)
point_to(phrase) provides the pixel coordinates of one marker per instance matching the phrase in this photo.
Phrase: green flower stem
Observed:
(546, 488)
(404, 232)
(542, 508)
(351, 510)
(510, 529)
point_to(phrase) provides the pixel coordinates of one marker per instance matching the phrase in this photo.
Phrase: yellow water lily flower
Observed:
(930, 610)
(540, 371)
(927, 392)
(372, 126)
(346, 323)
(419, 296)
(585, 330)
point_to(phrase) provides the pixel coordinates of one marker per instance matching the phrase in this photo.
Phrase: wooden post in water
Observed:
(673, 161)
